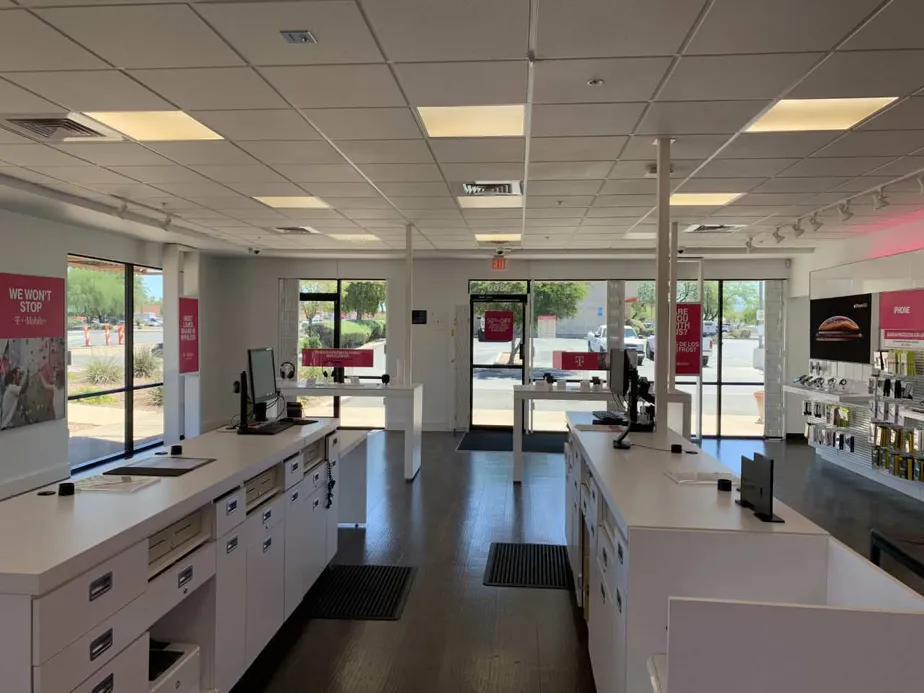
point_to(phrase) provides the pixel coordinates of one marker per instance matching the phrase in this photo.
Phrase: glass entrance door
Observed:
(498, 337)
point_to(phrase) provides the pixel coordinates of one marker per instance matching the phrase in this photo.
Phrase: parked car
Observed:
(596, 341)
(707, 349)
(155, 322)
(710, 327)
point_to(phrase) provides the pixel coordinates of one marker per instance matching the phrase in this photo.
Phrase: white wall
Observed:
(246, 291)
(37, 454)
(797, 358)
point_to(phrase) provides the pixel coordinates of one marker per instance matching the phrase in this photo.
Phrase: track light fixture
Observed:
(749, 245)
(797, 229)
(122, 210)
(777, 236)
(920, 180)
(879, 200)
(815, 224)
(844, 210)
(166, 223)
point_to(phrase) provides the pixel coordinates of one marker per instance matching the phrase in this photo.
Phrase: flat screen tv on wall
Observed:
(840, 328)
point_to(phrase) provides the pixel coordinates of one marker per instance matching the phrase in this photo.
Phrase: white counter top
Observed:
(571, 392)
(364, 389)
(48, 540)
(639, 493)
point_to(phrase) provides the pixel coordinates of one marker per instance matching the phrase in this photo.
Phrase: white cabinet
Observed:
(618, 662)
(230, 608)
(316, 551)
(265, 528)
(298, 545)
(601, 629)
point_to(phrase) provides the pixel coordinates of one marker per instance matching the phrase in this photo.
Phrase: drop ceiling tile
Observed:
(472, 214)
(614, 213)
(253, 28)
(906, 115)
(402, 172)
(259, 217)
(630, 186)
(421, 214)
(864, 183)
(624, 79)
(257, 124)
(203, 153)
(798, 185)
(715, 185)
(837, 166)
(36, 155)
(584, 119)
(344, 204)
(297, 152)
(612, 29)
(625, 200)
(481, 171)
(325, 190)
(876, 143)
(174, 204)
(730, 77)
(686, 147)
(414, 189)
(375, 215)
(336, 86)
(772, 145)
(27, 43)
(386, 151)
(91, 90)
(14, 99)
(328, 173)
(575, 148)
(699, 117)
(131, 191)
(895, 27)
(140, 36)
(155, 175)
(855, 74)
(448, 226)
(218, 221)
(746, 168)
(770, 199)
(365, 123)
(82, 174)
(467, 150)
(463, 84)
(680, 168)
(7, 137)
(422, 30)
(193, 190)
(569, 170)
(241, 174)
(417, 203)
(574, 201)
(902, 167)
(228, 201)
(563, 187)
(768, 27)
(214, 88)
(114, 154)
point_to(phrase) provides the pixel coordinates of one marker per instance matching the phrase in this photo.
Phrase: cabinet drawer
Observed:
(171, 587)
(271, 513)
(317, 475)
(230, 609)
(183, 676)
(294, 470)
(62, 616)
(89, 653)
(230, 511)
(594, 502)
(333, 446)
(126, 673)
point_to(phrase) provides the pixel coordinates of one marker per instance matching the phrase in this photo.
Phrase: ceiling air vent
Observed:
(297, 230)
(487, 188)
(713, 228)
(60, 127)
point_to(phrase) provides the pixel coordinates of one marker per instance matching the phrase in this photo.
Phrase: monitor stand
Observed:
(764, 517)
(259, 412)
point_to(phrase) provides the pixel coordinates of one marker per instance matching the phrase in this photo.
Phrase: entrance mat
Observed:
(543, 566)
(361, 592)
(502, 441)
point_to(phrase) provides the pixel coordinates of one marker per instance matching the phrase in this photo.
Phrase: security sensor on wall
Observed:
(253, 251)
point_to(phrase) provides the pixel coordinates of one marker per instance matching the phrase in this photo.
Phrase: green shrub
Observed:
(103, 370)
(155, 396)
(309, 343)
(98, 399)
(146, 365)
(353, 340)
(739, 333)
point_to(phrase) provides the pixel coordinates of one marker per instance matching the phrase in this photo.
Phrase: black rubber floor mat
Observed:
(543, 566)
(502, 441)
(361, 592)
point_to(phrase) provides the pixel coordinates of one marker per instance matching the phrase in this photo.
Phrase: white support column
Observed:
(192, 396)
(662, 281)
(699, 381)
(173, 381)
(615, 314)
(408, 374)
(672, 307)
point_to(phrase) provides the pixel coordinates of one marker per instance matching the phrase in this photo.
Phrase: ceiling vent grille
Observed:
(297, 230)
(62, 127)
(488, 188)
(713, 228)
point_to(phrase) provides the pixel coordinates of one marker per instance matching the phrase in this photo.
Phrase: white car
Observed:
(596, 341)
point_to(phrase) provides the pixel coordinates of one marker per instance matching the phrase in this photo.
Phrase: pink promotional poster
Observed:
(33, 379)
(189, 335)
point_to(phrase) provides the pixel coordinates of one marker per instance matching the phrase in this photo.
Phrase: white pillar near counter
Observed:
(407, 376)
(615, 314)
(672, 309)
(662, 281)
(173, 382)
(192, 410)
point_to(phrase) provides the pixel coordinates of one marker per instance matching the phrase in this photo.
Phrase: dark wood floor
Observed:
(455, 634)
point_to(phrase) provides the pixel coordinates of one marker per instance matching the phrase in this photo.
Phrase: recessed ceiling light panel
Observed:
(498, 237)
(299, 202)
(703, 199)
(155, 126)
(801, 115)
(491, 202)
(473, 121)
(354, 237)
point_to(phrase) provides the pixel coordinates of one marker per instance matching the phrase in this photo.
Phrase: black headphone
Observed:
(287, 370)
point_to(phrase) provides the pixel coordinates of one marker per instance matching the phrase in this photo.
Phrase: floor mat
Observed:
(502, 441)
(543, 566)
(361, 592)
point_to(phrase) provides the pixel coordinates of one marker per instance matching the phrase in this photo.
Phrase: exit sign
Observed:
(498, 264)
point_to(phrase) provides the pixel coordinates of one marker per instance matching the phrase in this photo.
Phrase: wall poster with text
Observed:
(33, 377)
(840, 328)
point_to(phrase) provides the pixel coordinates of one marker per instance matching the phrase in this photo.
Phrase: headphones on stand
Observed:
(287, 370)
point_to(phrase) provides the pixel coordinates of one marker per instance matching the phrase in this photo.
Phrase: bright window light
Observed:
(703, 199)
(353, 237)
(799, 115)
(498, 237)
(492, 202)
(473, 121)
(302, 202)
(155, 126)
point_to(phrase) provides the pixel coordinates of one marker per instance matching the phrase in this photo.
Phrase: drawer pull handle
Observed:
(231, 506)
(317, 476)
(334, 442)
(267, 514)
(100, 645)
(317, 502)
(295, 496)
(619, 600)
(333, 463)
(619, 553)
(231, 545)
(606, 559)
(184, 577)
(603, 594)
(267, 543)
(100, 586)
(294, 466)
(107, 685)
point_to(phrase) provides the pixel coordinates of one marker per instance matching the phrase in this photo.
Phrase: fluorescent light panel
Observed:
(640, 236)
(498, 237)
(703, 199)
(155, 126)
(800, 115)
(491, 202)
(353, 237)
(473, 121)
(300, 202)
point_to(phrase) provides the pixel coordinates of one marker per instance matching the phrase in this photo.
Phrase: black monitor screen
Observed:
(757, 484)
(749, 488)
(262, 365)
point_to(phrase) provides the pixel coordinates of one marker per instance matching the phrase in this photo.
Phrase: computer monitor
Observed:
(622, 362)
(261, 364)
(757, 487)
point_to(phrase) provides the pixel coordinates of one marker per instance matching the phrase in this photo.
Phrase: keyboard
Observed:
(610, 417)
(269, 429)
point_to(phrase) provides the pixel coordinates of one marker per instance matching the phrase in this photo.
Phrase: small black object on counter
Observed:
(66, 488)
